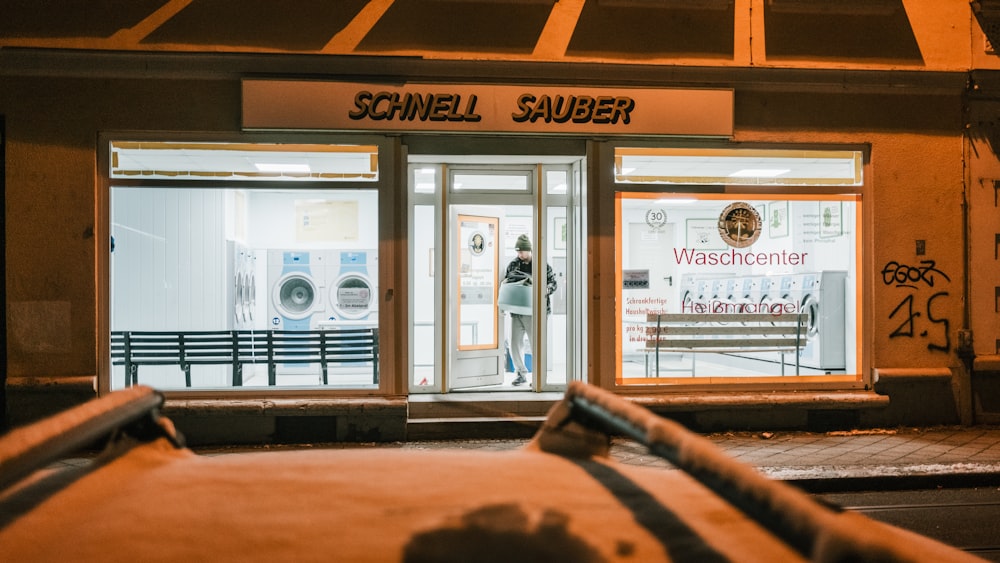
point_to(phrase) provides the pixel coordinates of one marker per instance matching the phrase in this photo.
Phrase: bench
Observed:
(722, 333)
(235, 348)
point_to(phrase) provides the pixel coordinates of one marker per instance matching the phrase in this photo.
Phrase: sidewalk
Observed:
(901, 458)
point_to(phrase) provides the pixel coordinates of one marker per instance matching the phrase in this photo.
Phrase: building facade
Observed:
(757, 213)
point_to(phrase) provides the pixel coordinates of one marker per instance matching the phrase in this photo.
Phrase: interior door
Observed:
(477, 353)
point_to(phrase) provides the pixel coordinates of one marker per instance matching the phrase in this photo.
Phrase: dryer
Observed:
(352, 277)
(689, 292)
(753, 292)
(764, 293)
(823, 298)
(746, 294)
(239, 286)
(789, 292)
(250, 288)
(703, 293)
(297, 282)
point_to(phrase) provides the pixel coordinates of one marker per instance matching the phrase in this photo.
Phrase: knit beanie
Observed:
(523, 243)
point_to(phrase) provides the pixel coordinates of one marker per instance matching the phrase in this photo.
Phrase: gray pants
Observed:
(520, 325)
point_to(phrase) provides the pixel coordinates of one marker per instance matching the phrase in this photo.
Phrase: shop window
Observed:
(741, 167)
(722, 288)
(244, 162)
(737, 284)
(249, 279)
(491, 181)
(424, 180)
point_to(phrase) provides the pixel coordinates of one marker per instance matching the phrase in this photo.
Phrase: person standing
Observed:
(517, 270)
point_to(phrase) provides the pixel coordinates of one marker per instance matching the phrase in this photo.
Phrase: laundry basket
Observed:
(515, 297)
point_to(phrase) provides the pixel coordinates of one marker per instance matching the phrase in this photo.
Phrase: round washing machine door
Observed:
(687, 301)
(251, 295)
(352, 296)
(744, 305)
(810, 306)
(767, 304)
(239, 305)
(294, 296)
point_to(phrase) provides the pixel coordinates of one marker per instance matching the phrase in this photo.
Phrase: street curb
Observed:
(850, 484)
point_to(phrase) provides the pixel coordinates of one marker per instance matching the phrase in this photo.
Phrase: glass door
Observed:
(494, 248)
(474, 315)
(490, 208)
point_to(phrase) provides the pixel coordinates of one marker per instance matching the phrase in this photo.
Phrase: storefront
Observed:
(752, 212)
(282, 237)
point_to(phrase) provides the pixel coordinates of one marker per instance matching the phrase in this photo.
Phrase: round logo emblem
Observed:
(477, 243)
(656, 218)
(739, 225)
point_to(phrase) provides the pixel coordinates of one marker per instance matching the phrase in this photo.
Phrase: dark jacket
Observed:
(519, 269)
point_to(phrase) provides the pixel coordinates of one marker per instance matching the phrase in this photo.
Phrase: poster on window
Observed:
(703, 234)
(830, 219)
(326, 221)
(777, 221)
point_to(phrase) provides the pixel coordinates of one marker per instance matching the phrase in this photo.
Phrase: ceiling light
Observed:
(281, 167)
(759, 172)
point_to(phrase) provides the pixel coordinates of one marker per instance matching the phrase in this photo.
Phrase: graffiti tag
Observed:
(913, 315)
(903, 275)
(907, 328)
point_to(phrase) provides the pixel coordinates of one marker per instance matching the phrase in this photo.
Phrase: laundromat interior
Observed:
(226, 258)
(688, 271)
(308, 263)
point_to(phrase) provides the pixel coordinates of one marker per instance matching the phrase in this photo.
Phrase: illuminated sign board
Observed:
(345, 106)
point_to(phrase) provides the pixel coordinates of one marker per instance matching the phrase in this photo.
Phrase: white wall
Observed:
(167, 268)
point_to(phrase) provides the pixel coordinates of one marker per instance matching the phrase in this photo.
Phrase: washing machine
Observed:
(239, 286)
(788, 293)
(751, 293)
(704, 292)
(250, 288)
(745, 294)
(352, 277)
(689, 292)
(823, 298)
(763, 295)
(772, 293)
(297, 283)
(718, 290)
(738, 294)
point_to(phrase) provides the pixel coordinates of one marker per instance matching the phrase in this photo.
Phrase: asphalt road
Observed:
(968, 519)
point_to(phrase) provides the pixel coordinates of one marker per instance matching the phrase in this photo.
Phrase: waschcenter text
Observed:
(734, 258)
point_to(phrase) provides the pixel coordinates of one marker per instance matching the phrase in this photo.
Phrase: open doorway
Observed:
(472, 225)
